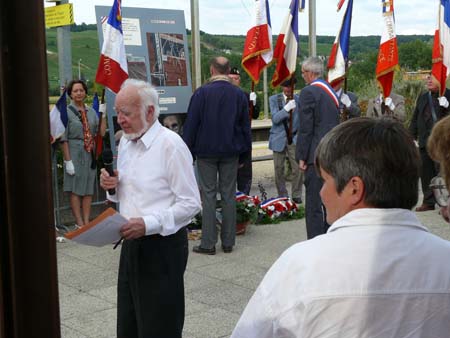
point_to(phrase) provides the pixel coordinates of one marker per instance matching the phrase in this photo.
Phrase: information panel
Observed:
(157, 52)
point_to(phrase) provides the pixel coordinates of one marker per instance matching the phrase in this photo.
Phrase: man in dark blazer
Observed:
(319, 113)
(217, 131)
(430, 108)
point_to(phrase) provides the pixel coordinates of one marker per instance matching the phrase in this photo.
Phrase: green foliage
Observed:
(415, 55)
(362, 70)
(246, 211)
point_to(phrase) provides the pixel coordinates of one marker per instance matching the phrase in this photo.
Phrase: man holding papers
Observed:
(158, 194)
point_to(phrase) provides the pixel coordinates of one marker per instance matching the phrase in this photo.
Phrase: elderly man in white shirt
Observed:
(377, 272)
(158, 193)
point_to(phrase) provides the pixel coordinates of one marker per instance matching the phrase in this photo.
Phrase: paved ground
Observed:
(217, 287)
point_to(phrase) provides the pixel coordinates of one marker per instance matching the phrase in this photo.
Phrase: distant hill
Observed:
(85, 49)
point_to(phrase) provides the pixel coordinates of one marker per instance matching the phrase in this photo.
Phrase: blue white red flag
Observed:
(339, 52)
(287, 46)
(441, 47)
(388, 54)
(58, 118)
(112, 68)
(258, 53)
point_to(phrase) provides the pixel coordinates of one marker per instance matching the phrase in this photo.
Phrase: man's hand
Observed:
(302, 165)
(253, 98)
(290, 105)
(135, 228)
(108, 182)
(443, 102)
(346, 100)
(389, 103)
(70, 168)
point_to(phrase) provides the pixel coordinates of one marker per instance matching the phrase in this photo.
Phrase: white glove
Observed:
(70, 169)
(253, 98)
(389, 103)
(443, 102)
(102, 109)
(346, 100)
(290, 105)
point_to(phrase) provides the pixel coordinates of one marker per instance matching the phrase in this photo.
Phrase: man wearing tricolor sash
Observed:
(319, 113)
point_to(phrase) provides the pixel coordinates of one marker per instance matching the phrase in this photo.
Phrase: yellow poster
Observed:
(61, 15)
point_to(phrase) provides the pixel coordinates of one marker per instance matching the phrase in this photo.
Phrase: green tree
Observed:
(415, 55)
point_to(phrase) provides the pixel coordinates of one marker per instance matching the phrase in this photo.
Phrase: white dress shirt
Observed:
(377, 273)
(156, 181)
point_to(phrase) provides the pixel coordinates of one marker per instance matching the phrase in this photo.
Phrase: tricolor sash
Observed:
(327, 88)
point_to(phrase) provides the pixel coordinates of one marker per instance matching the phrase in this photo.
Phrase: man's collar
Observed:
(149, 136)
(377, 217)
(220, 78)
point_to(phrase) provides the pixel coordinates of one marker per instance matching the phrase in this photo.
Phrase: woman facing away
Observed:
(78, 145)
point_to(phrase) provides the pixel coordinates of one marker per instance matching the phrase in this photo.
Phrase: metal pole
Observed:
(312, 28)
(64, 52)
(195, 35)
(79, 69)
(266, 95)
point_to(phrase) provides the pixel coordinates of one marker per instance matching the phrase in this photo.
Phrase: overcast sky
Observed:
(233, 17)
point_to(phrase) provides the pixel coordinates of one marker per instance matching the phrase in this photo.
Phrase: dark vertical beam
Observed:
(28, 271)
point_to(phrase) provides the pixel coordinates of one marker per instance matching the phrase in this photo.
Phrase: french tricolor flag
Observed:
(258, 53)
(339, 52)
(388, 54)
(441, 46)
(287, 45)
(112, 68)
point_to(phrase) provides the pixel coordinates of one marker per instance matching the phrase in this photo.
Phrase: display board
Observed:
(157, 52)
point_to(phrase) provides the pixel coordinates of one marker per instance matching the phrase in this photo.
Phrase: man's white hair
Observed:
(147, 93)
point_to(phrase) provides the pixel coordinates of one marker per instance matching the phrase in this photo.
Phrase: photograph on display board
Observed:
(167, 59)
(136, 67)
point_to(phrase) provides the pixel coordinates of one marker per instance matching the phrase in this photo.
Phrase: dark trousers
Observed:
(208, 169)
(150, 301)
(429, 170)
(314, 211)
(244, 174)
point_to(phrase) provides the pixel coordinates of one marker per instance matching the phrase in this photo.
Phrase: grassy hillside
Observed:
(84, 47)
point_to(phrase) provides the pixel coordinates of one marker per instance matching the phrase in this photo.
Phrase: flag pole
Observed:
(251, 108)
(99, 137)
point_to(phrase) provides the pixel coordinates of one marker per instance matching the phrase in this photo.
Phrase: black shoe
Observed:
(227, 249)
(297, 200)
(199, 249)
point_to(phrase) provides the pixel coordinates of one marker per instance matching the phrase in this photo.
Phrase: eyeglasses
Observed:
(440, 191)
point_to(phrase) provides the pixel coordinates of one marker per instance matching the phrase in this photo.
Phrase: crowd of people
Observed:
(361, 270)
